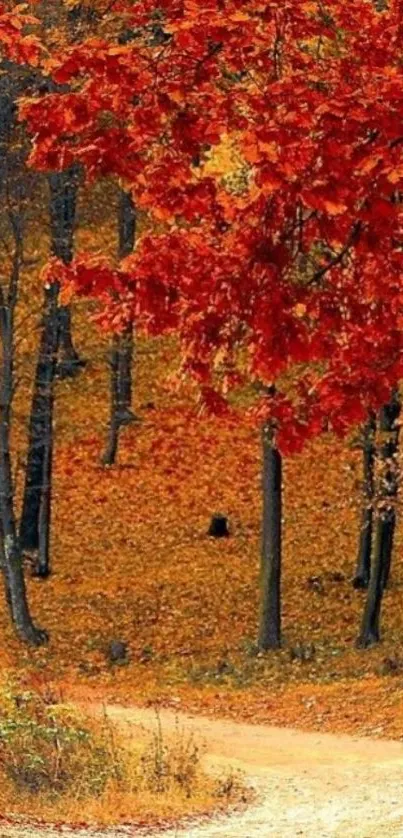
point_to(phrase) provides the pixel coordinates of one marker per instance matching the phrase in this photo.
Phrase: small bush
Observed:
(50, 749)
(166, 767)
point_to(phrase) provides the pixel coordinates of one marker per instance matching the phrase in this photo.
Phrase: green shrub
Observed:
(50, 749)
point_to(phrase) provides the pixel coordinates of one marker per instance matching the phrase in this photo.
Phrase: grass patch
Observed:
(58, 765)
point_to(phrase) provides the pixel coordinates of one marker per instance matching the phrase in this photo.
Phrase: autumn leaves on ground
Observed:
(132, 561)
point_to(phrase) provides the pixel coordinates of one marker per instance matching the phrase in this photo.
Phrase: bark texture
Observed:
(270, 604)
(385, 523)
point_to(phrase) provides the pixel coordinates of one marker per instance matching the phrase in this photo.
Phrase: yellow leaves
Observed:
(300, 310)
(224, 158)
(334, 207)
(239, 17)
(369, 164)
(395, 175)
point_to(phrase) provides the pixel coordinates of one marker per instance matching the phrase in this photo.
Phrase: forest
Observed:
(201, 355)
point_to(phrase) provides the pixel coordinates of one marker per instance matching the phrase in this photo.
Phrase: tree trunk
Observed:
(121, 363)
(270, 606)
(63, 208)
(56, 324)
(385, 524)
(13, 567)
(363, 570)
(38, 470)
(125, 376)
(389, 455)
(127, 238)
(42, 568)
(69, 363)
(11, 557)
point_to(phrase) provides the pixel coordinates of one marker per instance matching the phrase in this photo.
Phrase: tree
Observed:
(270, 274)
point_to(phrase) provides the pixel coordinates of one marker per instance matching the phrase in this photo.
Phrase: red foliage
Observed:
(303, 268)
(15, 42)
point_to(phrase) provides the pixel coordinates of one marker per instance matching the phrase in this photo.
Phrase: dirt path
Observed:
(308, 784)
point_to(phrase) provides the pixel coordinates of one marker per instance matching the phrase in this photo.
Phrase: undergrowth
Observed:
(59, 765)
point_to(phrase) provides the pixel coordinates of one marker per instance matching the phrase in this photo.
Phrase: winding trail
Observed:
(308, 784)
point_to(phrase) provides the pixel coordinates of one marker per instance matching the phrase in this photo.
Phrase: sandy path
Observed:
(308, 784)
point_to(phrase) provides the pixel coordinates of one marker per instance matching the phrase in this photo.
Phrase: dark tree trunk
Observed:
(363, 570)
(370, 630)
(42, 568)
(56, 326)
(39, 461)
(385, 524)
(270, 605)
(389, 455)
(11, 557)
(63, 207)
(122, 351)
(127, 238)
(127, 224)
(13, 567)
(126, 352)
(70, 362)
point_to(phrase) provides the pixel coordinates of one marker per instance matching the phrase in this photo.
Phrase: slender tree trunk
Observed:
(42, 568)
(70, 362)
(63, 209)
(270, 605)
(370, 633)
(39, 462)
(56, 326)
(122, 351)
(385, 524)
(126, 354)
(11, 557)
(127, 238)
(363, 570)
(13, 567)
(389, 454)
(43, 562)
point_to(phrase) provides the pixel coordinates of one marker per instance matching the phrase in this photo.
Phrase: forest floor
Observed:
(132, 561)
(306, 784)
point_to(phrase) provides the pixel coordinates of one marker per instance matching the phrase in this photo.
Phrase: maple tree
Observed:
(311, 94)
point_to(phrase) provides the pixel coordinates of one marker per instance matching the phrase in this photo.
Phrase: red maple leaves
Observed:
(16, 41)
(295, 276)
